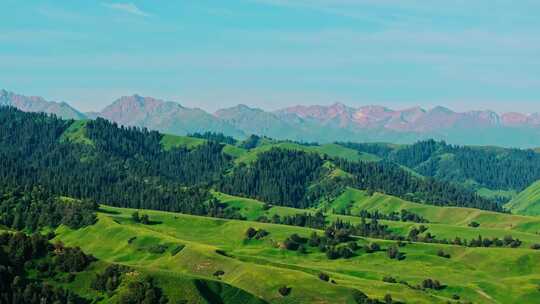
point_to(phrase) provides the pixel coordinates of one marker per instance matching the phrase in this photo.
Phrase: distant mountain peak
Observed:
(318, 123)
(39, 104)
(165, 116)
(514, 119)
(239, 110)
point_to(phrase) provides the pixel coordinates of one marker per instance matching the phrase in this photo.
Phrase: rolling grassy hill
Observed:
(177, 286)
(357, 200)
(249, 155)
(444, 222)
(260, 267)
(526, 202)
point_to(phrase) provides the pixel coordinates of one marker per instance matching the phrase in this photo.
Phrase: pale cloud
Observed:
(129, 8)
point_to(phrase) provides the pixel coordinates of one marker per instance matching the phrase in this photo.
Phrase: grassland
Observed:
(444, 222)
(173, 141)
(526, 202)
(358, 200)
(481, 275)
(178, 286)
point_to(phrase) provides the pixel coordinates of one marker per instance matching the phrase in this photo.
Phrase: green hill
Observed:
(494, 171)
(356, 200)
(177, 287)
(260, 268)
(444, 222)
(526, 202)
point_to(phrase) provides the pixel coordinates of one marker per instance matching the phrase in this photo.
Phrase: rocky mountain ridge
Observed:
(317, 123)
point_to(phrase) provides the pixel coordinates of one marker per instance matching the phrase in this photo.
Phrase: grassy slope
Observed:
(171, 141)
(242, 155)
(77, 133)
(491, 194)
(445, 222)
(260, 268)
(526, 202)
(177, 286)
(443, 215)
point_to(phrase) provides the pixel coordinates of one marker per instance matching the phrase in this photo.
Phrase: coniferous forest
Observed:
(128, 167)
(491, 167)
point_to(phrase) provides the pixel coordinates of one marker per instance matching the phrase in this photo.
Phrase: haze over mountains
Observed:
(336, 122)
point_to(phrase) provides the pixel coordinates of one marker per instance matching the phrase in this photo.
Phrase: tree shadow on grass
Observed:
(112, 212)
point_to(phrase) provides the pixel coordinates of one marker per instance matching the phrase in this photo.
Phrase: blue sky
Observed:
(274, 53)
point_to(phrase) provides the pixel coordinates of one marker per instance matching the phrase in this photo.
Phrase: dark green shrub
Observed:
(285, 291)
(324, 277)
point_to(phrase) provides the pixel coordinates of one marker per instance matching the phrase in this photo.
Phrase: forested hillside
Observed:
(490, 167)
(128, 167)
(121, 166)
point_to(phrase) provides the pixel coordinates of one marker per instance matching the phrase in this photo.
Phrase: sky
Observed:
(462, 54)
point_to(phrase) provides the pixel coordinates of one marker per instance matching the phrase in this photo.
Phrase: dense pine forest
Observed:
(37, 208)
(391, 179)
(491, 167)
(21, 254)
(123, 166)
(128, 167)
(278, 176)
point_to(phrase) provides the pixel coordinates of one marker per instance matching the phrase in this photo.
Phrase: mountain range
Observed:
(336, 122)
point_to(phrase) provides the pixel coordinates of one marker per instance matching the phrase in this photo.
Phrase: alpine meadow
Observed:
(329, 151)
